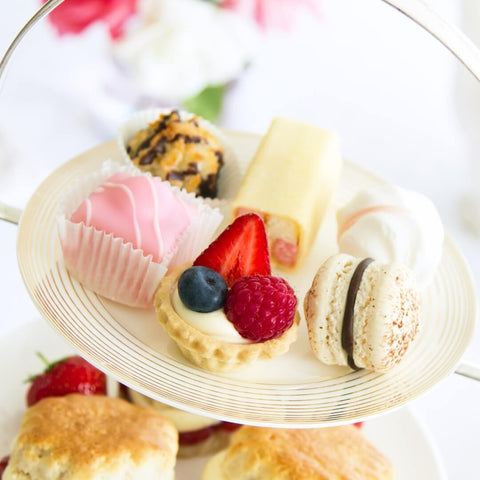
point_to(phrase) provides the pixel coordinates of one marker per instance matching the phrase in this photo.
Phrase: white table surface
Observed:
(390, 90)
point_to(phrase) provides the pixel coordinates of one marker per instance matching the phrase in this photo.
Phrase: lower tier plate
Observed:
(399, 435)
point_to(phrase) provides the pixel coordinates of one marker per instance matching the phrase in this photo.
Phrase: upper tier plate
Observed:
(293, 390)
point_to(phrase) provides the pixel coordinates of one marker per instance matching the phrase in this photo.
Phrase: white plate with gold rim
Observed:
(293, 390)
(399, 435)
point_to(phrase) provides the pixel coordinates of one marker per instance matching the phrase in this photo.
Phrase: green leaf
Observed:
(48, 366)
(208, 103)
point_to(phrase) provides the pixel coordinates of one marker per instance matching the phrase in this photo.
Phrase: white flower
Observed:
(182, 46)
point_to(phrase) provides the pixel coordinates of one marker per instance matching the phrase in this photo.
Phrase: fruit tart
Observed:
(227, 310)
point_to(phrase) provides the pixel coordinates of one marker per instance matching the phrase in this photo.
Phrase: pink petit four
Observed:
(120, 231)
(140, 210)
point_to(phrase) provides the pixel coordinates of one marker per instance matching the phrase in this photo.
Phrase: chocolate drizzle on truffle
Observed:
(347, 326)
(181, 151)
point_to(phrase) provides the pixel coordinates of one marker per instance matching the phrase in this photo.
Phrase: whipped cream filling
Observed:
(215, 324)
(183, 421)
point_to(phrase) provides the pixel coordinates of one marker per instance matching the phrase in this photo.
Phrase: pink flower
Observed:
(271, 13)
(74, 16)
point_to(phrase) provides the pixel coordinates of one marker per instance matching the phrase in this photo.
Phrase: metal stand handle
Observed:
(41, 12)
(10, 214)
(470, 370)
(447, 34)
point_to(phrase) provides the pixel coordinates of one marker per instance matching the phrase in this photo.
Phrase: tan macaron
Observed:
(362, 313)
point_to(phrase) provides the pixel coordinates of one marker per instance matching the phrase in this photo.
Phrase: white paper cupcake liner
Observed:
(230, 174)
(113, 268)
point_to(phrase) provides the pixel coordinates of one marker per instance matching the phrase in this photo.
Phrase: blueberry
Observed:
(202, 289)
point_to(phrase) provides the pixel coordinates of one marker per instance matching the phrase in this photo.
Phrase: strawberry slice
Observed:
(240, 250)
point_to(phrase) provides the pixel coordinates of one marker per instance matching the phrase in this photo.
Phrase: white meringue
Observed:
(391, 224)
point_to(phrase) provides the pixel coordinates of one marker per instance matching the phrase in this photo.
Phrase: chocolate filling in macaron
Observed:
(362, 318)
(348, 316)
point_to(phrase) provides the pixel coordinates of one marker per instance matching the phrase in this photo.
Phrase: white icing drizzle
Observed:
(88, 211)
(131, 198)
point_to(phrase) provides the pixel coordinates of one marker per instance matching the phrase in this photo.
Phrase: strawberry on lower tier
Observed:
(3, 465)
(196, 436)
(240, 250)
(69, 375)
(229, 426)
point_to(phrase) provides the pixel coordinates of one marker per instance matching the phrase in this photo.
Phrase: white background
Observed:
(404, 107)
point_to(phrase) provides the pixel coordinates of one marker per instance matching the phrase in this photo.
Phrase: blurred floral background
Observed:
(94, 62)
(358, 67)
(181, 52)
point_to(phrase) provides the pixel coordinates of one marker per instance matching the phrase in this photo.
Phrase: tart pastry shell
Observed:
(204, 350)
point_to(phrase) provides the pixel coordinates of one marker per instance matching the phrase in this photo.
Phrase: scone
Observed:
(290, 183)
(307, 454)
(393, 225)
(180, 149)
(92, 437)
(197, 435)
(362, 313)
(227, 311)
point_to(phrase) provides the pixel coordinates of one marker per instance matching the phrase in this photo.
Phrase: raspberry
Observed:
(261, 307)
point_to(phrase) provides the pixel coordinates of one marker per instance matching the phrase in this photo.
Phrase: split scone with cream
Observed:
(305, 454)
(80, 437)
(197, 435)
(290, 183)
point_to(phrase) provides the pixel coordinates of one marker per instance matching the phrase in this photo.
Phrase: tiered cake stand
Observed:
(291, 391)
